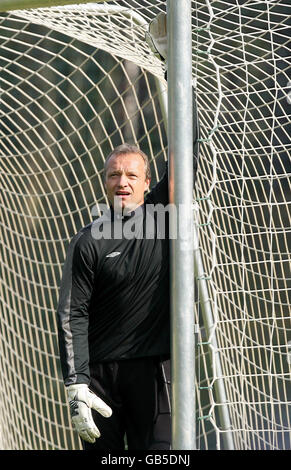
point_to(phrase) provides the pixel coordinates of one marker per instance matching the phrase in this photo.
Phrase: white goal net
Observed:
(75, 82)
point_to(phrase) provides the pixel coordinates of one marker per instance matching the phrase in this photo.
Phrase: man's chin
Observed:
(124, 205)
(128, 206)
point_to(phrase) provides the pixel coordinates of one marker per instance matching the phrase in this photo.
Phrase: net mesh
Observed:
(76, 81)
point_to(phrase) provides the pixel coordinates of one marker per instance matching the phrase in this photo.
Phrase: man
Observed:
(114, 320)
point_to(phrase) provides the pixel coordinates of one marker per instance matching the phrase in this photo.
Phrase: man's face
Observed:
(125, 181)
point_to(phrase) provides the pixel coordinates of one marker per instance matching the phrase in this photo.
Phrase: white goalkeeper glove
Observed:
(156, 36)
(81, 401)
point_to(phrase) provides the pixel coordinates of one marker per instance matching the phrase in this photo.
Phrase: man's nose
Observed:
(123, 181)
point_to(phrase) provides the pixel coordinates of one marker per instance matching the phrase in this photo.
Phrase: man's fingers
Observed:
(158, 26)
(87, 429)
(89, 435)
(99, 405)
(84, 423)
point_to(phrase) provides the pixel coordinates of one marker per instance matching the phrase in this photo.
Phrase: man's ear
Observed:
(147, 183)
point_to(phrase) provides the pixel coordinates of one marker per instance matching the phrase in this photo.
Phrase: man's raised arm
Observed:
(156, 38)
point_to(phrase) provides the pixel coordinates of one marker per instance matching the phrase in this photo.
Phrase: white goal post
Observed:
(76, 81)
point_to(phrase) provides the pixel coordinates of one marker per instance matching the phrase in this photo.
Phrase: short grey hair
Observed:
(124, 149)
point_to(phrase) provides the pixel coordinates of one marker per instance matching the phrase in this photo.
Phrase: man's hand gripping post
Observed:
(156, 36)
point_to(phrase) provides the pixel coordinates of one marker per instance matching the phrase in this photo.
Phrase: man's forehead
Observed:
(125, 161)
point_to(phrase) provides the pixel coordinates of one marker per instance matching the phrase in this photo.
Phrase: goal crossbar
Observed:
(8, 5)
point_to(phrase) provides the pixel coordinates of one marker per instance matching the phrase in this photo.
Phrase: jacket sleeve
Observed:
(72, 312)
(160, 192)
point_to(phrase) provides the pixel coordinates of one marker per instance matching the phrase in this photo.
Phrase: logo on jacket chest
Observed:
(113, 254)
